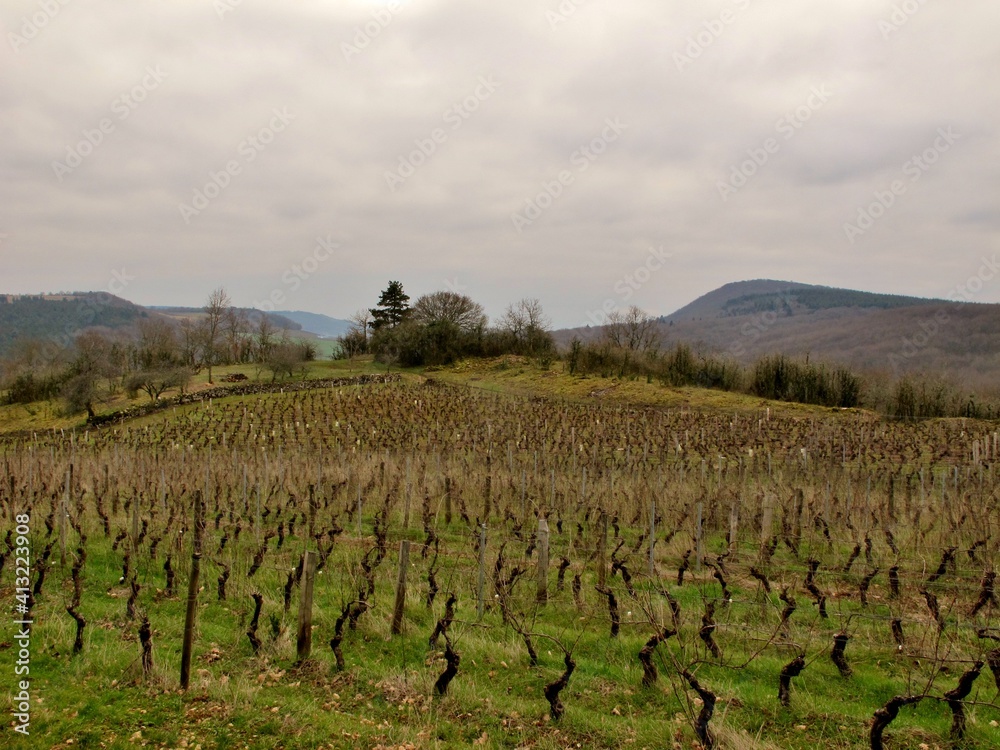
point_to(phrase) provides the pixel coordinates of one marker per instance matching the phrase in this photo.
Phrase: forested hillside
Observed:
(59, 317)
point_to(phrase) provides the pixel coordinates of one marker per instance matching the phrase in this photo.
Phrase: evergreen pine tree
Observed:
(393, 307)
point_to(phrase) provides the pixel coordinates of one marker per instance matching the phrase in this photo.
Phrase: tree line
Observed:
(153, 356)
(440, 328)
(630, 346)
(445, 326)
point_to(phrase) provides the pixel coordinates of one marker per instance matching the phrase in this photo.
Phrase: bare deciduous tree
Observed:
(154, 382)
(632, 329)
(92, 362)
(211, 326)
(156, 344)
(284, 358)
(355, 340)
(264, 334)
(450, 307)
(528, 325)
(189, 341)
(235, 329)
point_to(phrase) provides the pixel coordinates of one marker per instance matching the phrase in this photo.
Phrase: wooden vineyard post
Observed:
(602, 551)
(891, 503)
(944, 488)
(850, 498)
(767, 520)
(734, 526)
(447, 500)
(542, 595)
(62, 517)
(652, 537)
(304, 640)
(312, 511)
(406, 509)
(359, 507)
(397, 611)
(256, 519)
(135, 523)
(192, 600)
(524, 491)
(409, 492)
(700, 537)
(488, 487)
(481, 587)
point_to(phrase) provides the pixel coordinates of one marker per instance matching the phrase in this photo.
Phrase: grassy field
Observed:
(47, 415)
(512, 375)
(743, 496)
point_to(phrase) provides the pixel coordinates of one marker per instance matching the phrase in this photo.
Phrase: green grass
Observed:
(510, 375)
(385, 696)
(517, 375)
(49, 415)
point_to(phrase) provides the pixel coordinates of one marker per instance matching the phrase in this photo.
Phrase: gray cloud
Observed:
(361, 109)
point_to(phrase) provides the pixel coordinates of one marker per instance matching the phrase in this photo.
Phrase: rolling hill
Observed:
(58, 317)
(879, 332)
(194, 313)
(322, 325)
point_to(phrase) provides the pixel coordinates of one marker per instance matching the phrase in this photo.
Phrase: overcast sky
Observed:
(589, 153)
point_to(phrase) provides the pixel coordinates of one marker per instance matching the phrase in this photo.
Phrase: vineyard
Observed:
(423, 564)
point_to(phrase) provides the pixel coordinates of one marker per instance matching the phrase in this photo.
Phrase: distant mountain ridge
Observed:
(895, 334)
(761, 295)
(180, 313)
(58, 318)
(322, 325)
(714, 302)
